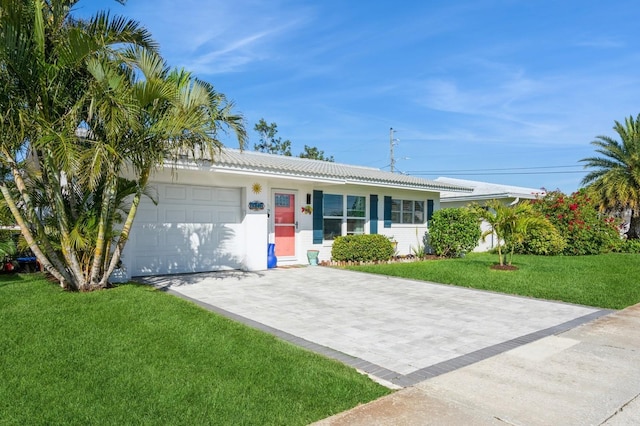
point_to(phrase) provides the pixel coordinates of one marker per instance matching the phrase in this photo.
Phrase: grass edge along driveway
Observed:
(135, 355)
(605, 281)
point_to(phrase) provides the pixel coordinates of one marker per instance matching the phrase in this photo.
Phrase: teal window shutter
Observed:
(429, 210)
(317, 217)
(373, 214)
(387, 212)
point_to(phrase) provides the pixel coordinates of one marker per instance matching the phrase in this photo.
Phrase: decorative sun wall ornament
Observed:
(256, 188)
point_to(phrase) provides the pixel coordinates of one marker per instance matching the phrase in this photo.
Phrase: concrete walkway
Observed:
(589, 375)
(399, 331)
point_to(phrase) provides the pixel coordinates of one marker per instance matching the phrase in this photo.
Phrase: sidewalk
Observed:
(589, 375)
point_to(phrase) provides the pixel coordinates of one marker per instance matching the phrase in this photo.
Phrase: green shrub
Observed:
(453, 231)
(627, 246)
(541, 241)
(362, 248)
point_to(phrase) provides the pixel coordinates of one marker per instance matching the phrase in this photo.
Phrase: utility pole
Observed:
(392, 142)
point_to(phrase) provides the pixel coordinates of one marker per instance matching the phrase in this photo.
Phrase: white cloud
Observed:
(601, 43)
(217, 36)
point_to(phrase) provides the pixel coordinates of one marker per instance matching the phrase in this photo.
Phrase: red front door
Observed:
(285, 224)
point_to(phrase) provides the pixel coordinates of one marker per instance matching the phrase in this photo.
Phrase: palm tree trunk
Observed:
(54, 193)
(60, 275)
(634, 226)
(126, 229)
(100, 244)
(51, 263)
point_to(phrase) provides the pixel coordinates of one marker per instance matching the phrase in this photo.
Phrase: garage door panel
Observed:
(202, 216)
(175, 215)
(147, 265)
(146, 214)
(228, 196)
(148, 236)
(202, 194)
(175, 193)
(177, 264)
(174, 236)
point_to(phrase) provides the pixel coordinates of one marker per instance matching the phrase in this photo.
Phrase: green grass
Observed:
(606, 281)
(134, 355)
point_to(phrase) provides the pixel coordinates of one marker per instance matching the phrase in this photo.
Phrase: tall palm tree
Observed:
(104, 77)
(168, 114)
(615, 174)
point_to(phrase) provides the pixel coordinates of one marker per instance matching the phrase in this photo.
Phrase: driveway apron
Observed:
(399, 331)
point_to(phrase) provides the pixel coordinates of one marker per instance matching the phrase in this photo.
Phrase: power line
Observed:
(486, 170)
(484, 173)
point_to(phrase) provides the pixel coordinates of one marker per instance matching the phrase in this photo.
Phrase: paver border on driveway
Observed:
(376, 370)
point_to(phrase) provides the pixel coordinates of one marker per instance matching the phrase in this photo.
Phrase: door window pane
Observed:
(285, 208)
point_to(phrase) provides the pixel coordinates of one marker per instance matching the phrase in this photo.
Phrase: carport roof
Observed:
(486, 191)
(234, 160)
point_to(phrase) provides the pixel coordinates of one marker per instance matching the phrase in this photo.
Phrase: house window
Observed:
(355, 214)
(407, 211)
(339, 210)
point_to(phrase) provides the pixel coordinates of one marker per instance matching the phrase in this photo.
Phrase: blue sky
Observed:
(503, 91)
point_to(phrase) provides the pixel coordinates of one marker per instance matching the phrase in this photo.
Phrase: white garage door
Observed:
(192, 229)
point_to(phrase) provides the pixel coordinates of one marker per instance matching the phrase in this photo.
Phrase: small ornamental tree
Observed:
(510, 224)
(453, 231)
(576, 217)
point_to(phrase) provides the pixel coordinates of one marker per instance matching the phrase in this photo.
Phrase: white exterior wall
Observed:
(256, 228)
(403, 234)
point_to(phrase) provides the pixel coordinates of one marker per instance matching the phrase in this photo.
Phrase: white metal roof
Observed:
(251, 162)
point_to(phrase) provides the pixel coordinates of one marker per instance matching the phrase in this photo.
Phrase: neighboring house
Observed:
(222, 214)
(482, 192)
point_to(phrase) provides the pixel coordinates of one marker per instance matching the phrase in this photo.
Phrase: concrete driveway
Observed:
(399, 331)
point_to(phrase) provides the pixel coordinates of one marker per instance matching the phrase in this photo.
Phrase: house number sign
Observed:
(256, 205)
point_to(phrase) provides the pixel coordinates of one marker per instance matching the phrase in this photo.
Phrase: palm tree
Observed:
(510, 224)
(615, 175)
(173, 114)
(104, 77)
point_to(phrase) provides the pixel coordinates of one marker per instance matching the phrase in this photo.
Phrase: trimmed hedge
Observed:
(362, 248)
(453, 231)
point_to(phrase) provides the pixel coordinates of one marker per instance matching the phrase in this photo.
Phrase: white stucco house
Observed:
(480, 193)
(222, 214)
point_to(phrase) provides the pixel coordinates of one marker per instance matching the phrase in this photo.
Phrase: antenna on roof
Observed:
(392, 142)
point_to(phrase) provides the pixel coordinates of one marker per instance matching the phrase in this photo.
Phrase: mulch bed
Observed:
(504, 267)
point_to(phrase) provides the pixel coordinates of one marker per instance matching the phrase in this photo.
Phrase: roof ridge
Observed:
(291, 157)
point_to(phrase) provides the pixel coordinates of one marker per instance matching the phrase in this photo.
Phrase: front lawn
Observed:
(134, 355)
(606, 281)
